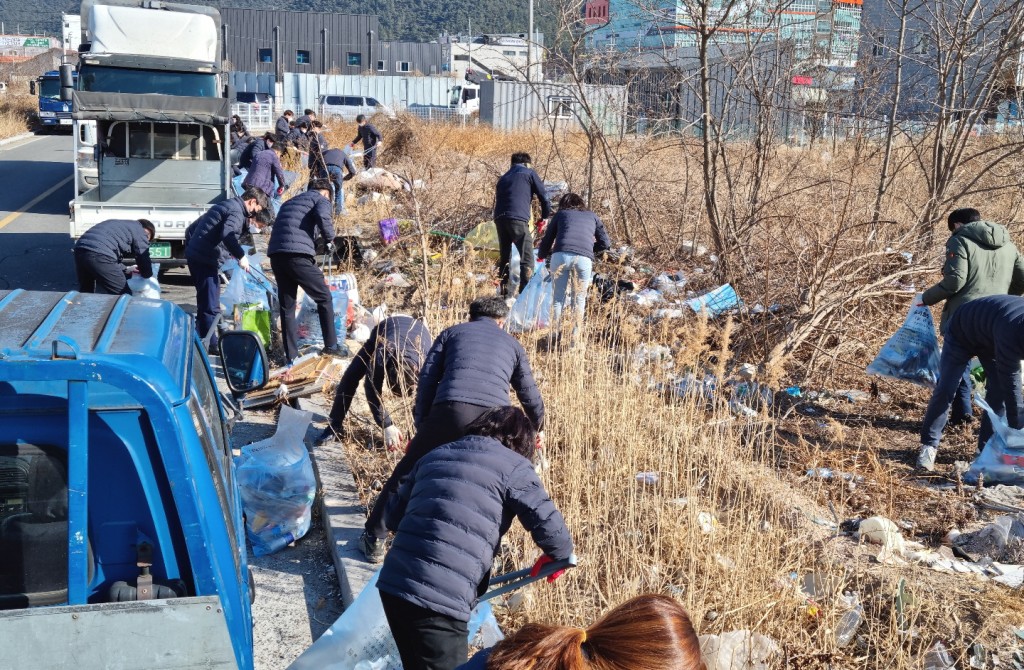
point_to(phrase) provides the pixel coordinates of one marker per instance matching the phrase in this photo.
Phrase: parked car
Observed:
(348, 107)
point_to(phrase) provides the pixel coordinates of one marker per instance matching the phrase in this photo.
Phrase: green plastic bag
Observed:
(254, 319)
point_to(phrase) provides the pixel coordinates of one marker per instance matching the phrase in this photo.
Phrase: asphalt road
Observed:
(297, 593)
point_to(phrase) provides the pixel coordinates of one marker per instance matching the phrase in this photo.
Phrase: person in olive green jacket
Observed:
(981, 261)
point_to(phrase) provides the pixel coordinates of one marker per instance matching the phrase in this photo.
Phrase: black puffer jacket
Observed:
(215, 232)
(513, 196)
(250, 151)
(475, 363)
(296, 225)
(114, 239)
(449, 516)
(574, 231)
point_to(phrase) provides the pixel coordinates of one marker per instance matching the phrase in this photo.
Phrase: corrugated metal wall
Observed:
(303, 90)
(252, 81)
(510, 105)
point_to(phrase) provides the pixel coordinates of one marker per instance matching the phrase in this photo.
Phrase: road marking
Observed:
(33, 202)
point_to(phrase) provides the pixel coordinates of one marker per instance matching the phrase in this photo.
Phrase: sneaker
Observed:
(338, 350)
(328, 435)
(372, 548)
(926, 459)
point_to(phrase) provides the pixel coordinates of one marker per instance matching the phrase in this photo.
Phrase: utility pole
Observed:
(529, 47)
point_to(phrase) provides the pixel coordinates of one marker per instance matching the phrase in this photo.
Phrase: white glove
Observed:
(243, 263)
(392, 437)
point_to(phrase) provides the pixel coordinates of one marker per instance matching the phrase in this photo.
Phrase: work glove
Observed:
(540, 227)
(539, 565)
(392, 437)
(540, 440)
(280, 190)
(330, 249)
(243, 263)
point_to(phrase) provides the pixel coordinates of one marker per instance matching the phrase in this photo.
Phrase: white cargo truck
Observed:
(149, 81)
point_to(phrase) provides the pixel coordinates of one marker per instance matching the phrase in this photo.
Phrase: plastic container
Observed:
(848, 625)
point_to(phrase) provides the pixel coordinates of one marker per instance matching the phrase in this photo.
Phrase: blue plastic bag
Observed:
(912, 353)
(716, 302)
(275, 478)
(1001, 461)
(532, 308)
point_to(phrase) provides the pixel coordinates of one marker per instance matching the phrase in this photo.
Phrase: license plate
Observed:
(160, 250)
(65, 122)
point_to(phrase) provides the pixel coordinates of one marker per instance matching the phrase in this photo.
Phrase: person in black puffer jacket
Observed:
(292, 252)
(468, 371)
(449, 517)
(572, 238)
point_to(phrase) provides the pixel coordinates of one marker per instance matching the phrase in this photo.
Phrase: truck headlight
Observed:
(47, 115)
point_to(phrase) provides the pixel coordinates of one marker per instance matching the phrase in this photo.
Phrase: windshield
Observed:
(49, 88)
(125, 80)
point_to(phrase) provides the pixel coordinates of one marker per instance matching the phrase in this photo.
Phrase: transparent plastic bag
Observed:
(532, 308)
(1001, 461)
(360, 638)
(277, 484)
(144, 288)
(912, 353)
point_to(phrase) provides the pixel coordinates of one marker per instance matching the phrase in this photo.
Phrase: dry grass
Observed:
(15, 114)
(607, 420)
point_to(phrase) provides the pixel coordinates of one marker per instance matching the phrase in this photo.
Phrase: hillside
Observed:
(414, 20)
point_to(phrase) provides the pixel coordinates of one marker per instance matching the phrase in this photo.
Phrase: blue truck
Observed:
(121, 533)
(53, 112)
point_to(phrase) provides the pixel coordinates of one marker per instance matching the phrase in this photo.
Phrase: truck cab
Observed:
(121, 534)
(52, 112)
(466, 98)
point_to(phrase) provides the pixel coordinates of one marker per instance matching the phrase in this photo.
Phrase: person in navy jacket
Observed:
(468, 370)
(449, 517)
(209, 242)
(292, 252)
(98, 254)
(572, 237)
(513, 209)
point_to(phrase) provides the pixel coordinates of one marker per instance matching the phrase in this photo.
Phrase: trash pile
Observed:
(277, 484)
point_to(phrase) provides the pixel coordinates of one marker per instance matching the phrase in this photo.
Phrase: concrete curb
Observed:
(342, 513)
(18, 138)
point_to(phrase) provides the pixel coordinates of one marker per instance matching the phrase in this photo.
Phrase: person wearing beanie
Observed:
(981, 260)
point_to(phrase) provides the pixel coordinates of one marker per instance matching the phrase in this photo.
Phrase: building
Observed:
(503, 56)
(277, 41)
(824, 32)
(19, 48)
(938, 40)
(71, 30)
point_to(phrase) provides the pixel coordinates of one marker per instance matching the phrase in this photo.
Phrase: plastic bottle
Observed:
(848, 625)
(938, 658)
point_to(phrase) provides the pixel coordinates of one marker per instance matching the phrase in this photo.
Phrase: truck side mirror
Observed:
(244, 360)
(67, 82)
(32, 87)
(229, 92)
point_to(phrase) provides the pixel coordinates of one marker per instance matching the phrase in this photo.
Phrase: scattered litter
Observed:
(850, 621)
(373, 196)
(532, 309)
(1002, 540)
(397, 279)
(879, 530)
(828, 473)
(1001, 497)
(667, 314)
(648, 297)
(680, 502)
(690, 247)
(746, 371)
(670, 283)
(306, 376)
(707, 522)
(793, 392)
(912, 353)
(389, 231)
(277, 484)
(648, 478)
(716, 302)
(853, 396)
(726, 562)
(938, 658)
(738, 650)
(379, 178)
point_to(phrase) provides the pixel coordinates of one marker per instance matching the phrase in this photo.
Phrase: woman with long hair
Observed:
(649, 632)
(572, 238)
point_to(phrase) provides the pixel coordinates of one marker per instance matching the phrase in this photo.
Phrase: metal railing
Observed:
(257, 117)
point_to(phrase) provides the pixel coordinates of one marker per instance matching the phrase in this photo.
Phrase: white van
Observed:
(348, 107)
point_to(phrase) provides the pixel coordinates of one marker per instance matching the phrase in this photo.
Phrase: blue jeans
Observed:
(571, 274)
(334, 172)
(954, 384)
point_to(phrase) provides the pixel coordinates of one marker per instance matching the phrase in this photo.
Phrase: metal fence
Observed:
(442, 115)
(257, 117)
